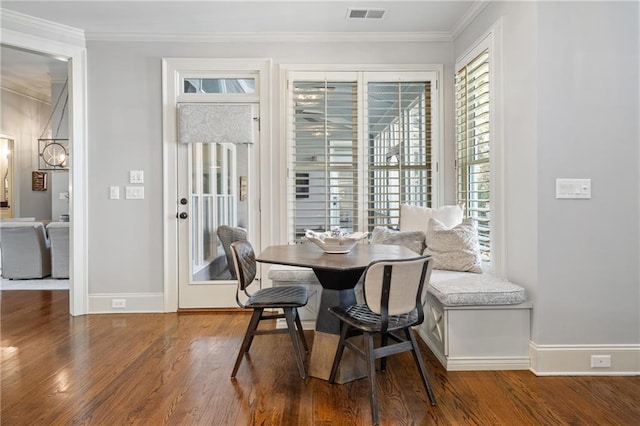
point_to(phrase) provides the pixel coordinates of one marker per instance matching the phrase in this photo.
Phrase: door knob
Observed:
(183, 215)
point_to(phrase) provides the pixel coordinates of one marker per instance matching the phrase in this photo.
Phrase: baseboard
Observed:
(575, 360)
(134, 303)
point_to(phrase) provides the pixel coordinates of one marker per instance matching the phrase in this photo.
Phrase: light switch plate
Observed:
(573, 188)
(134, 192)
(114, 192)
(136, 176)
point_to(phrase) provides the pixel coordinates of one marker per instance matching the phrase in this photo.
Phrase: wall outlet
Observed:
(118, 303)
(600, 361)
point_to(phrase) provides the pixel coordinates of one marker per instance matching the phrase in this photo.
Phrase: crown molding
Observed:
(472, 13)
(14, 21)
(305, 37)
(26, 92)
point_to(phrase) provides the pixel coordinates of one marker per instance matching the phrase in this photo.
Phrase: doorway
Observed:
(211, 182)
(26, 34)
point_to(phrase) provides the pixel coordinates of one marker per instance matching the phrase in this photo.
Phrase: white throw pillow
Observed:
(413, 240)
(454, 249)
(416, 218)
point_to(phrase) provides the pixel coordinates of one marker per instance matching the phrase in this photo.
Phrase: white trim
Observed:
(53, 32)
(575, 360)
(37, 35)
(472, 13)
(171, 67)
(492, 40)
(26, 92)
(474, 363)
(304, 37)
(100, 303)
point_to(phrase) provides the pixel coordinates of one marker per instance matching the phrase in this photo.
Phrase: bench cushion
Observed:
(453, 288)
(284, 273)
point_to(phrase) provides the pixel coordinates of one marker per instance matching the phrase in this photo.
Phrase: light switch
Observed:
(134, 192)
(136, 176)
(573, 188)
(114, 192)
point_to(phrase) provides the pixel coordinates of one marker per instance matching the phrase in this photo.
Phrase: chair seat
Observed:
(276, 297)
(361, 317)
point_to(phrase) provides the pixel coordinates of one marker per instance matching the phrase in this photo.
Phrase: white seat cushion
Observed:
(454, 288)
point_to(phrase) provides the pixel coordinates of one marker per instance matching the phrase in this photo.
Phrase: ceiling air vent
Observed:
(365, 13)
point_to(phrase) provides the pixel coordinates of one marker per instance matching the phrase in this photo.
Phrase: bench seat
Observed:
(477, 322)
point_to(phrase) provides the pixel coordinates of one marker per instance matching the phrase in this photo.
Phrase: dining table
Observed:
(338, 274)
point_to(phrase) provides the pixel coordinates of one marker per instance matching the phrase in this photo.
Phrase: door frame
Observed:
(50, 38)
(170, 86)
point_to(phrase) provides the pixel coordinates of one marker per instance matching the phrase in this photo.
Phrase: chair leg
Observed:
(301, 331)
(339, 352)
(371, 366)
(248, 339)
(384, 340)
(418, 358)
(289, 314)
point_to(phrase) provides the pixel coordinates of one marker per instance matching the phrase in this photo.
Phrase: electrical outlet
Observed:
(118, 303)
(600, 361)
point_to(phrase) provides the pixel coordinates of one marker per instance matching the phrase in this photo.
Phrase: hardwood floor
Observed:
(154, 369)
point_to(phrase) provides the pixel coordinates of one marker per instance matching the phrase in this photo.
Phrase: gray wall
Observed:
(23, 119)
(570, 93)
(125, 133)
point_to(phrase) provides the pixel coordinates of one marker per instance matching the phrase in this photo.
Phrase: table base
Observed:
(323, 352)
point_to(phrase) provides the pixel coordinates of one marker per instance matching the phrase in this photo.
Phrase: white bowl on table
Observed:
(335, 244)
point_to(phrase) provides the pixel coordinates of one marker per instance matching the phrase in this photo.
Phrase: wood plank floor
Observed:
(155, 369)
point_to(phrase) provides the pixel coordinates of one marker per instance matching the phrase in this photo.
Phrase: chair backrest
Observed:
(227, 235)
(396, 287)
(25, 250)
(244, 259)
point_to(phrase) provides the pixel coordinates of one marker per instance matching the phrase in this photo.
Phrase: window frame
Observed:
(363, 74)
(491, 41)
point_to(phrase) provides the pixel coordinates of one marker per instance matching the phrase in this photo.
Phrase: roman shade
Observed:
(215, 123)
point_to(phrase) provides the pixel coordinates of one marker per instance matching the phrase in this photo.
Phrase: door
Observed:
(217, 185)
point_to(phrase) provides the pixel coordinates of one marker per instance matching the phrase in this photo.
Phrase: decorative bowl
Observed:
(333, 243)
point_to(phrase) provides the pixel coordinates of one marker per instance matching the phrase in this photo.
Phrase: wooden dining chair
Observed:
(394, 292)
(285, 298)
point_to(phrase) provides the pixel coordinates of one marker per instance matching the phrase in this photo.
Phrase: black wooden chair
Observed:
(286, 298)
(394, 292)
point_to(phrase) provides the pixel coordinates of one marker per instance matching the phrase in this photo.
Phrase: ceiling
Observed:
(98, 18)
(163, 19)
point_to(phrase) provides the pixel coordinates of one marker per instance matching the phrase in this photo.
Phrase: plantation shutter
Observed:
(472, 145)
(399, 157)
(324, 153)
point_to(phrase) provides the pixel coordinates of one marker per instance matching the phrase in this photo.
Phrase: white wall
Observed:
(570, 97)
(23, 119)
(125, 130)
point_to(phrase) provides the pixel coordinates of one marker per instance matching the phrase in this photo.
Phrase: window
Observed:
(473, 145)
(219, 85)
(359, 145)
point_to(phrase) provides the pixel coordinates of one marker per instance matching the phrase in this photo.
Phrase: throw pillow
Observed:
(413, 240)
(454, 249)
(415, 218)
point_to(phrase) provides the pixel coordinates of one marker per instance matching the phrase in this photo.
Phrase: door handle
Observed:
(183, 215)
